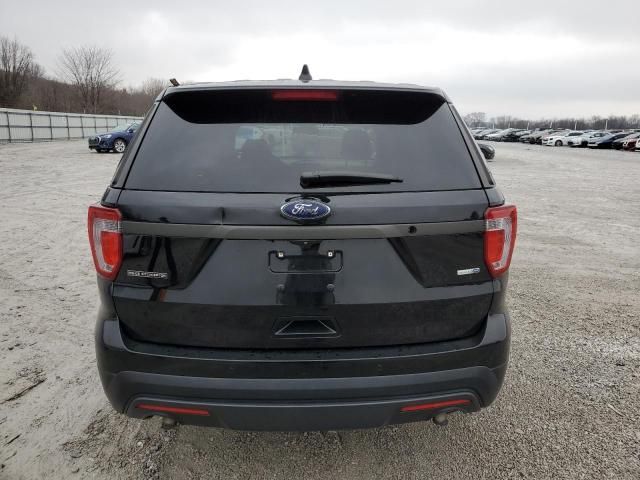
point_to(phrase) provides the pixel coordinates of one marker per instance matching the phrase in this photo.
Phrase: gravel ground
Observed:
(569, 407)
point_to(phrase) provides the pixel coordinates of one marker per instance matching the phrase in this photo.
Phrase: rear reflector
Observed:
(435, 405)
(105, 238)
(178, 410)
(305, 95)
(499, 238)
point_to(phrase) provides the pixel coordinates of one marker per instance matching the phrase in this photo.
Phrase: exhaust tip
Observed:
(441, 419)
(169, 423)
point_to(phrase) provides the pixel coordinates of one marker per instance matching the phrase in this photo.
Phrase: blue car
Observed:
(115, 140)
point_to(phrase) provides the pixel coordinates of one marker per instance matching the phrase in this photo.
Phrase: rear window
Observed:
(263, 141)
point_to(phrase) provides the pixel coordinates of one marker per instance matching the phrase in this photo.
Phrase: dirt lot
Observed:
(569, 408)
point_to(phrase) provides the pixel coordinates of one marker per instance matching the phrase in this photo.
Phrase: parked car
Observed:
(495, 136)
(605, 141)
(619, 143)
(475, 131)
(583, 140)
(519, 135)
(531, 137)
(116, 140)
(544, 138)
(483, 133)
(488, 151)
(562, 138)
(630, 142)
(337, 277)
(508, 135)
(536, 137)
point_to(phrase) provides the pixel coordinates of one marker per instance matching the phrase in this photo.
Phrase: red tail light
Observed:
(434, 405)
(179, 410)
(105, 238)
(305, 95)
(499, 238)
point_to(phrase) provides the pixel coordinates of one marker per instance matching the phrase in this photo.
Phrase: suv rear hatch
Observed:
(209, 261)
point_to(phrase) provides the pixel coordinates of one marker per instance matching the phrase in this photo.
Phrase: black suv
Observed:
(302, 255)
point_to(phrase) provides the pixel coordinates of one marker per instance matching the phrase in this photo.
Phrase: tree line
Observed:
(595, 122)
(86, 80)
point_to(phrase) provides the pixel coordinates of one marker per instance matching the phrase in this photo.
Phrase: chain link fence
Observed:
(36, 126)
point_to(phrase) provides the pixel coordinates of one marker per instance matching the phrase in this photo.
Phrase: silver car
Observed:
(583, 140)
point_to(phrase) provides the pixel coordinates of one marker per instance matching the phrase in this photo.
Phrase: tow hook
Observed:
(441, 420)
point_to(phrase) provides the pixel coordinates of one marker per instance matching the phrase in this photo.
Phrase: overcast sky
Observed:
(547, 58)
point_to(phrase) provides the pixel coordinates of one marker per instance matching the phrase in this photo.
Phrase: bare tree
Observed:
(475, 119)
(91, 70)
(151, 87)
(17, 68)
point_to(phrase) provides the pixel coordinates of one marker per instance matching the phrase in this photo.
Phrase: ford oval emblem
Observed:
(305, 210)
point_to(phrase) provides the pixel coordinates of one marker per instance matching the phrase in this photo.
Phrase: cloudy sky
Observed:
(548, 58)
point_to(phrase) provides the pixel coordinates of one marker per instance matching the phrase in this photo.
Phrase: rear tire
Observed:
(119, 146)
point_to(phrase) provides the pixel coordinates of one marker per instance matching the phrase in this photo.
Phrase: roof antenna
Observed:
(305, 75)
(174, 82)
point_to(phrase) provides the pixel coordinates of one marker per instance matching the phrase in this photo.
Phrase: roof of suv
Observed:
(295, 84)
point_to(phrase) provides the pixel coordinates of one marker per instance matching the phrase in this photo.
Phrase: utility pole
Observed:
(606, 124)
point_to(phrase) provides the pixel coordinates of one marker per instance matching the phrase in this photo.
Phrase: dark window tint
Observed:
(246, 141)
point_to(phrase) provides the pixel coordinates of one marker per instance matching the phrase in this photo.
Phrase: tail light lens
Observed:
(178, 410)
(105, 238)
(499, 238)
(305, 95)
(434, 405)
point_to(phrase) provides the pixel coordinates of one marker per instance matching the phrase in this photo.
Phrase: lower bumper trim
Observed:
(304, 416)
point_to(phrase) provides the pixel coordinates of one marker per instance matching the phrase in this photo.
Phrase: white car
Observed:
(583, 140)
(560, 133)
(561, 139)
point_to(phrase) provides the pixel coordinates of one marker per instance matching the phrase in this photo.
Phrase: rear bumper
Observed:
(377, 401)
(302, 390)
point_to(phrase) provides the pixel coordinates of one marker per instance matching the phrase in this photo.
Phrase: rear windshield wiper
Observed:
(342, 179)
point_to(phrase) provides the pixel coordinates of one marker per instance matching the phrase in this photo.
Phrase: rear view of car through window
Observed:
(302, 255)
